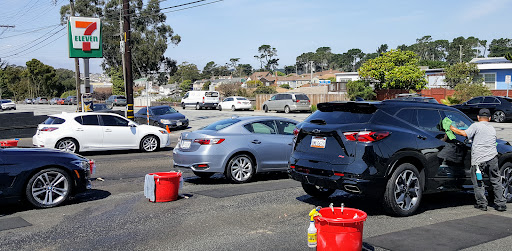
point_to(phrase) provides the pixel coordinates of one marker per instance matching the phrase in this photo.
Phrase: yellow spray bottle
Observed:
(312, 229)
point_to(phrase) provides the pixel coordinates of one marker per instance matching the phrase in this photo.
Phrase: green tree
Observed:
(267, 56)
(285, 86)
(254, 83)
(206, 85)
(227, 90)
(209, 69)
(233, 62)
(462, 73)
(246, 69)
(278, 73)
(395, 69)
(361, 89)
(265, 90)
(466, 91)
(186, 85)
(116, 76)
(10, 76)
(185, 71)
(42, 77)
(150, 35)
(500, 47)
(467, 46)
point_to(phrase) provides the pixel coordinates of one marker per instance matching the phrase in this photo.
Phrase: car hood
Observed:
(171, 116)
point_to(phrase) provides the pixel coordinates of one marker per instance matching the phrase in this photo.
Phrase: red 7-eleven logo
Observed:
(90, 27)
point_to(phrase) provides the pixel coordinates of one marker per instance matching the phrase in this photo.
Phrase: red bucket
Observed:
(9, 143)
(340, 231)
(167, 185)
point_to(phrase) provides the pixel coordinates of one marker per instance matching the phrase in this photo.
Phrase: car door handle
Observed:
(80, 129)
(108, 130)
(256, 141)
(421, 137)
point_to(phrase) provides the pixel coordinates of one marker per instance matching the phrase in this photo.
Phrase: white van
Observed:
(200, 99)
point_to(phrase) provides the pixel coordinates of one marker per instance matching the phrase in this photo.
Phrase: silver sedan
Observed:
(239, 147)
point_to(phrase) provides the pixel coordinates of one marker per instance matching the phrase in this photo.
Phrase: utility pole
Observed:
(77, 65)
(128, 60)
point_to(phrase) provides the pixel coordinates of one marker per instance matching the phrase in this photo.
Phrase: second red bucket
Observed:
(340, 230)
(166, 186)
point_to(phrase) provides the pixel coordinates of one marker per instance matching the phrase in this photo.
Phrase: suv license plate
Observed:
(185, 144)
(178, 123)
(318, 142)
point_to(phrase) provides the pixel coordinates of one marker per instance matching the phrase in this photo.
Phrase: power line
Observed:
(35, 40)
(17, 53)
(32, 31)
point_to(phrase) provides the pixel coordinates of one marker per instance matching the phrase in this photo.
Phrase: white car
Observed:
(235, 103)
(93, 131)
(7, 104)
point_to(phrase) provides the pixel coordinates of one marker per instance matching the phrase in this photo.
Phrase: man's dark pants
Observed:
(491, 168)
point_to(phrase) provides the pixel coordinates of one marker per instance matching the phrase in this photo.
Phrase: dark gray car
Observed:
(116, 100)
(238, 147)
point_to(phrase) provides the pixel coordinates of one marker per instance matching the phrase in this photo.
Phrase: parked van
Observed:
(200, 99)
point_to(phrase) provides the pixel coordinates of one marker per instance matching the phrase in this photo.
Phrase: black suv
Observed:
(391, 150)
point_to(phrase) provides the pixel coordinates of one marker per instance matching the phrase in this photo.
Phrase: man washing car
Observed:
(484, 156)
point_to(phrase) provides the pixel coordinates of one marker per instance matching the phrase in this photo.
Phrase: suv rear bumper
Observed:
(372, 187)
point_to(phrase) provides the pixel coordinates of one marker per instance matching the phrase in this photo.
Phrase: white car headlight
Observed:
(165, 121)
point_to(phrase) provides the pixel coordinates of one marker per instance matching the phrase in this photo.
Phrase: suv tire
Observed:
(316, 191)
(286, 109)
(404, 191)
(265, 108)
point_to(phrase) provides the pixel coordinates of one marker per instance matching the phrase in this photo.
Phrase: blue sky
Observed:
(236, 28)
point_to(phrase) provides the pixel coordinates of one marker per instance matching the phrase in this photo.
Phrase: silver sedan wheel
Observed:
(506, 181)
(50, 188)
(67, 145)
(149, 143)
(407, 189)
(241, 168)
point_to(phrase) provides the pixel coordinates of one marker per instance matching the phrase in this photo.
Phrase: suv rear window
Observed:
(301, 97)
(121, 97)
(54, 121)
(219, 125)
(343, 113)
(337, 117)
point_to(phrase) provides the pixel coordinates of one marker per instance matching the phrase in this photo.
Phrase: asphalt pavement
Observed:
(116, 216)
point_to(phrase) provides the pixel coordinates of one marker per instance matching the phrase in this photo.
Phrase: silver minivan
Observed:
(288, 102)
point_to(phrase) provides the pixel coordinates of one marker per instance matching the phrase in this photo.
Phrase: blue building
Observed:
(493, 71)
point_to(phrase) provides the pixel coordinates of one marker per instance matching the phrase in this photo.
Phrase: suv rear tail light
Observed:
(296, 131)
(49, 129)
(209, 141)
(365, 136)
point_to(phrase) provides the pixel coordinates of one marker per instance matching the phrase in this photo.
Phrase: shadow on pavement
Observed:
(373, 206)
(114, 152)
(20, 206)
(221, 179)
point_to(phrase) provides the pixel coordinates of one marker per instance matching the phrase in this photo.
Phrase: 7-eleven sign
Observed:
(84, 37)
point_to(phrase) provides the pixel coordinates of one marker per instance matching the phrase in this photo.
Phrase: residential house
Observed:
(198, 84)
(494, 71)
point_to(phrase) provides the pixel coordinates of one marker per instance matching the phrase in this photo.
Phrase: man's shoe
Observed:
(501, 208)
(481, 207)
